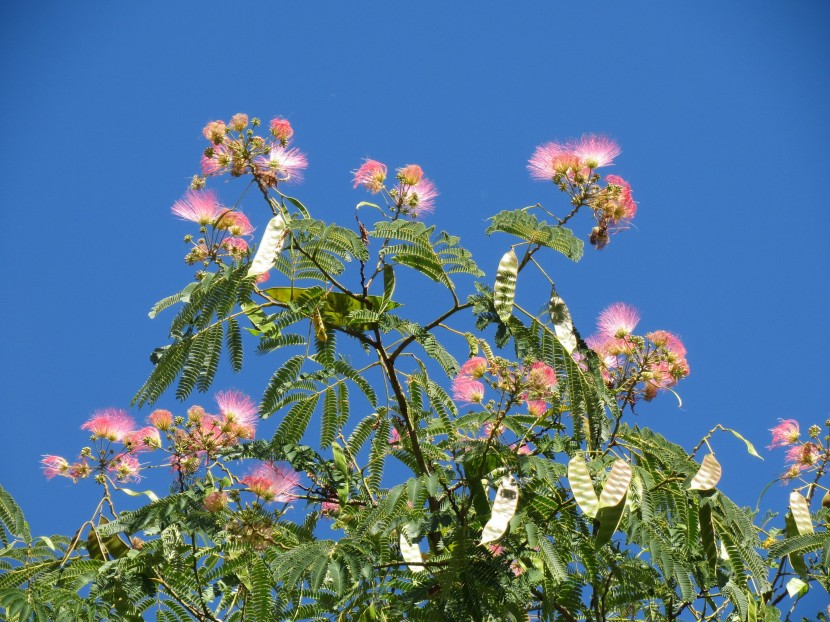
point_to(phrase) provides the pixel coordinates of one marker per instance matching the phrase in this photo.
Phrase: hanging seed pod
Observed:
(801, 513)
(616, 485)
(505, 289)
(562, 323)
(411, 554)
(269, 246)
(504, 507)
(581, 486)
(708, 476)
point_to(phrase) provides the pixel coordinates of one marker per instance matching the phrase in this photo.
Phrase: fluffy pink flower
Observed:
(200, 206)
(618, 320)
(216, 501)
(281, 130)
(537, 408)
(238, 121)
(623, 206)
(786, 433)
(235, 246)
(215, 131)
(670, 342)
(329, 508)
(236, 223)
(54, 465)
(595, 151)
(541, 378)
(145, 439)
(79, 470)
(162, 419)
(395, 438)
(287, 164)
(420, 197)
(524, 450)
(111, 424)
(551, 159)
(126, 468)
(239, 409)
(216, 160)
(467, 390)
(371, 174)
(411, 174)
(270, 482)
(476, 367)
(803, 456)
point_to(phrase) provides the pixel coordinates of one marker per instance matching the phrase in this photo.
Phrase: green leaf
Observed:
(526, 226)
(335, 307)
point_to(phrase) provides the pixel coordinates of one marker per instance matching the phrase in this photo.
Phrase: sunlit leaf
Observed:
(411, 554)
(796, 587)
(504, 507)
(708, 475)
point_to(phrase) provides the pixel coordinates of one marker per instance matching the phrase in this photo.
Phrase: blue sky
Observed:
(721, 112)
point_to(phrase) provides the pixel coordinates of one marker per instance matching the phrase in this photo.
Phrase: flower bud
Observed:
(411, 174)
(215, 132)
(814, 431)
(216, 501)
(281, 130)
(238, 121)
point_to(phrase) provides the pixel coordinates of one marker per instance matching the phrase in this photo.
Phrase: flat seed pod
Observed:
(796, 587)
(269, 246)
(411, 554)
(562, 322)
(708, 475)
(801, 513)
(616, 485)
(581, 485)
(504, 507)
(609, 518)
(505, 290)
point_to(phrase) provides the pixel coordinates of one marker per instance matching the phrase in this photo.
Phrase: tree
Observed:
(526, 492)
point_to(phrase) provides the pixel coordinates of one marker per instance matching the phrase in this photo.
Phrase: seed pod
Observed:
(505, 289)
(616, 485)
(582, 486)
(562, 322)
(801, 513)
(269, 246)
(504, 507)
(708, 476)
(411, 554)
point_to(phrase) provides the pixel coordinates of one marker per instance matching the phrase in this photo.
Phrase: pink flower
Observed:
(200, 206)
(126, 468)
(618, 320)
(371, 174)
(671, 343)
(215, 131)
(145, 439)
(410, 175)
(216, 160)
(419, 198)
(111, 424)
(595, 151)
(270, 482)
(329, 508)
(537, 408)
(786, 433)
(235, 246)
(79, 470)
(621, 206)
(395, 438)
(238, 121)
(287, 164)
(161, 418)
(281, 130)
(476, 367)
(551, 159)
(261, 278)
(216, 501)
(541, 378)
(236, 223)
(54, 465)
(467, 390)
(239, 409)
(524, 450)
(803, 456)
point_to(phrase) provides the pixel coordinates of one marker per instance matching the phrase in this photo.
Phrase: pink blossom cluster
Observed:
(571, 166)
(272, 482)
(414, 195)
(641, 366)
(236, 149)
(800, 455)
(118, 440)
(107, 426)
(222, 228)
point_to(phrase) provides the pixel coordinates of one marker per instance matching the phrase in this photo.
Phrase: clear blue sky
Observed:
(720, 108)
